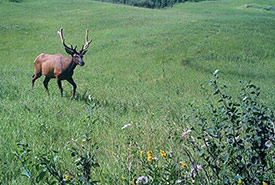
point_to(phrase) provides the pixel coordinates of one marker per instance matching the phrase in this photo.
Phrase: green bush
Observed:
(233, 144)
(15, 1)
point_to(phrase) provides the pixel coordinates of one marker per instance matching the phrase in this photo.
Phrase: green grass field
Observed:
(143, 67)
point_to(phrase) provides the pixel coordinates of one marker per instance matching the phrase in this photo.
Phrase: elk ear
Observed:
(69, 51)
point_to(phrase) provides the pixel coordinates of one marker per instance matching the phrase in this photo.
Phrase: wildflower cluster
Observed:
(161, 168)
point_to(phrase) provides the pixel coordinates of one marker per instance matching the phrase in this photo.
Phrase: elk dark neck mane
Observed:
(72, 65)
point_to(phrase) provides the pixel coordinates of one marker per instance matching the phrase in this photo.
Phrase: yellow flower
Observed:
(123, 178)
(66, 177)
(149, 158)
(264, 183)
(163, 154)
(240, 181)
(183, 165)
(141, 153)
(133, 183)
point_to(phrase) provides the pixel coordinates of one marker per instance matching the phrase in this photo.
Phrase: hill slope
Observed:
(143, 67)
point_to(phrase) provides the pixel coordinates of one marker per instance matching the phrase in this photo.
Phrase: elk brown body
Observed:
(58, 66)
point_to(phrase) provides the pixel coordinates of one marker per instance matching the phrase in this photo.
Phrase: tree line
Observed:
(149, 3)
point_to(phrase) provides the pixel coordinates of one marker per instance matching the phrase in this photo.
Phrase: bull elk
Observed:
(58, 66)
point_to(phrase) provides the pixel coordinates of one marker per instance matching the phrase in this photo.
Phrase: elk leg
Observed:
(60, 86)
(34, 77)
(71, 81)
(45, 82)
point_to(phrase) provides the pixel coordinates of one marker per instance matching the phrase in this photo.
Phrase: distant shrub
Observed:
(150, 3)
(261, 7)
(14, 1)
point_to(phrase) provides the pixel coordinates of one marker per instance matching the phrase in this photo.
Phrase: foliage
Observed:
(234, 144)
(49, 166)
(23, 156)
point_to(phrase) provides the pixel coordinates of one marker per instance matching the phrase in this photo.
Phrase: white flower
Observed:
(205, 145)
(143, 180)
(184, 134)
(178, 181)
(199, 167)
(126, 126)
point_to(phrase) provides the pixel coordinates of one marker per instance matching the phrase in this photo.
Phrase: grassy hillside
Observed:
(144, 67)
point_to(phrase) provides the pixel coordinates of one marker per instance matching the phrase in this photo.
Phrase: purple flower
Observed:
(155, 158)
(143, 180)
(268, 144)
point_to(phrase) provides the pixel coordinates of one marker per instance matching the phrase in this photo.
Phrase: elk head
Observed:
(76, 55)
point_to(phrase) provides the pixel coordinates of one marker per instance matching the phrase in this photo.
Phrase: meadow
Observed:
(146, 67)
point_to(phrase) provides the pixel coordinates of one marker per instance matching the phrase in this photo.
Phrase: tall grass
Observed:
(144, 67)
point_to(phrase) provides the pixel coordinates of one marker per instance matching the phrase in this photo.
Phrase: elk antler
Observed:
(87, 44)
(69, 50)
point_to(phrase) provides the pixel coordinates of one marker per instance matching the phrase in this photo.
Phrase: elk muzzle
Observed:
(81, 62)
